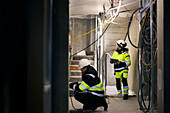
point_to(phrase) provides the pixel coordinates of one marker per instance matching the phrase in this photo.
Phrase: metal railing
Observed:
(104, 69)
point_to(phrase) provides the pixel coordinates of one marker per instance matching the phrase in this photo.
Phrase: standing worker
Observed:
(90, 91)
(121, 60)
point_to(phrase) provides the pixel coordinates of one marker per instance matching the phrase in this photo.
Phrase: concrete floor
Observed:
(116, 105)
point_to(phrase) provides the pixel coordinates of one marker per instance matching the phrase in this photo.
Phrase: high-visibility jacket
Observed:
(90, 83)
(124, 58)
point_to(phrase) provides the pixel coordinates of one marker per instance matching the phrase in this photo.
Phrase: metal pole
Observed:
(101, 48)
(140, 64)
(98, 44)
(153, 67)
(151, 22)
(96, 47)
(105, 71)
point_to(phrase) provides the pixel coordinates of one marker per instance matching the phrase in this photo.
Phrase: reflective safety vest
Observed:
(97, 89)
(124, 57)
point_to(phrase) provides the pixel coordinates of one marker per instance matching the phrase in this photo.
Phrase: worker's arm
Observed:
(73, 84)
(126, 62)
(88, 81)
(83, 86)
(112, 59)
(127, 59)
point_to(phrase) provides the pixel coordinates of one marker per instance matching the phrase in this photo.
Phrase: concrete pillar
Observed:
(160, 53)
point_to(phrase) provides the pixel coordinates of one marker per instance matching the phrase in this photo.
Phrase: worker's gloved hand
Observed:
(111, 61)
(72, 84)
(122, 64)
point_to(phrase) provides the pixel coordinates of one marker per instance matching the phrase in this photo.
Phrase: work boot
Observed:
(105, 107)
(104, 103)
(125, 97)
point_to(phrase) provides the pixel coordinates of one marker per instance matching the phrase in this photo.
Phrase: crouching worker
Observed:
(90, 91)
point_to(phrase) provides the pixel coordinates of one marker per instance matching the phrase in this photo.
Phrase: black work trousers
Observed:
(89, 101)
(118, 83)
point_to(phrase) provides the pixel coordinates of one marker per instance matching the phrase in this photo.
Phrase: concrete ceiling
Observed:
(80, 8)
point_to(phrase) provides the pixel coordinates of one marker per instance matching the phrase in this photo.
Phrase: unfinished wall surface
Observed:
(80, 26)
(114, 33)
(133, 76)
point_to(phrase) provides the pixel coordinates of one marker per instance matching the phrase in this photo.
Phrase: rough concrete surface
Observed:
(116, 105)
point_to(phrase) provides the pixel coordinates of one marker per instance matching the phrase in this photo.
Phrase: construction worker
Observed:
(121, 60)
(90, 91)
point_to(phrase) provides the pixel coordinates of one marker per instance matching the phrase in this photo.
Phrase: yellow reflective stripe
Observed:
(119, 92)
(127, 59)
(83, 86)
(101, 89)
(128, 62)
(98, 87)
(124, 89)
(86, 85)
(121, 57)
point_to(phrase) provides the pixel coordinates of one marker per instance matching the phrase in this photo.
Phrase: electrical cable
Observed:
(141, 102)
(127, 9)
(115, 14)
(87, 47)
(94, 41)
(84, 49)
(127, 33)
(123, 5)
(101, 25)
(92, 30)
(72, 102)
(144, 50)
(143, 26)
(145, 109)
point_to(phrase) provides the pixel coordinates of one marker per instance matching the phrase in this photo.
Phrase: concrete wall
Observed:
(133, 77)
(80, 26)
(114, 33)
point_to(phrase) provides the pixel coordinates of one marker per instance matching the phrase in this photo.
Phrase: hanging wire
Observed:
(94, 41)
(92, 30)
(127, 33)
(144, 48)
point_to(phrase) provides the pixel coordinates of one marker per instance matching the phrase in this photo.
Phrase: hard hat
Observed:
(83, 63)
(121, 43)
